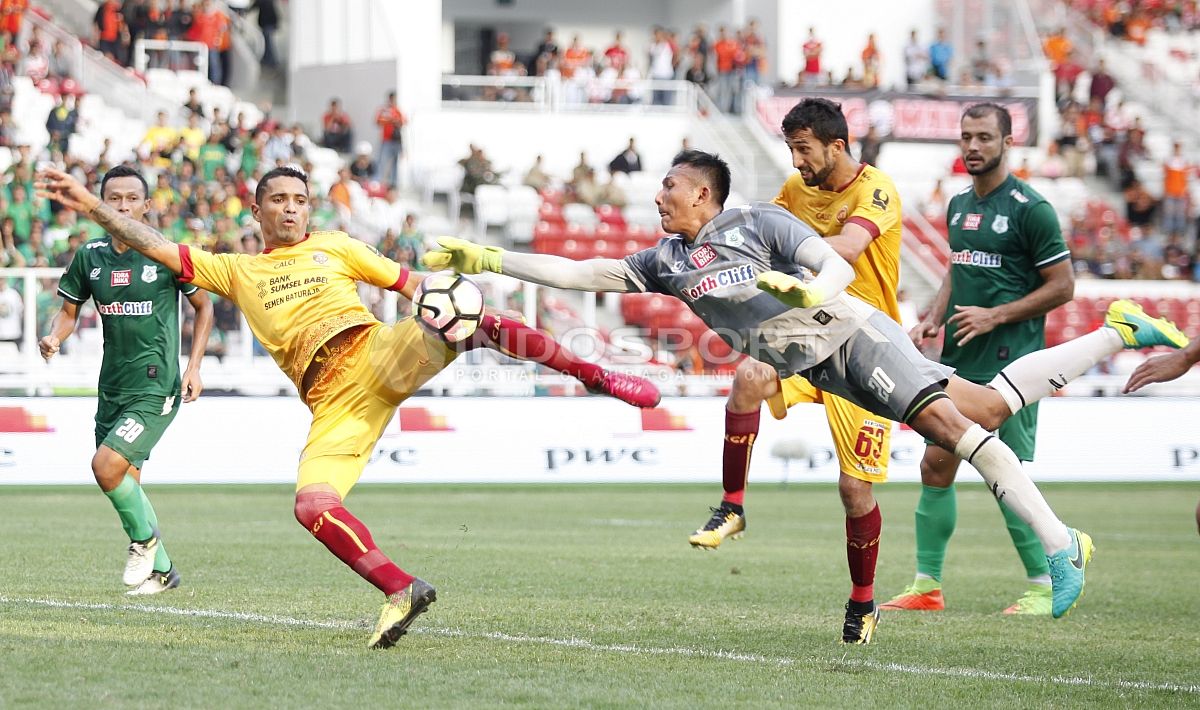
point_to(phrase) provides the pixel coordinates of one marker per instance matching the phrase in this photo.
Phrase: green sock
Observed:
(127, 499)
(1027, 544)
(162, 562)
(937, 514)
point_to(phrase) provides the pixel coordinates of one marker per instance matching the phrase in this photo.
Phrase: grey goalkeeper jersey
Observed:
(715, 276)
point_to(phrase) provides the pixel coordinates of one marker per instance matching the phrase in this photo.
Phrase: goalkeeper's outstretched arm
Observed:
(554, 271)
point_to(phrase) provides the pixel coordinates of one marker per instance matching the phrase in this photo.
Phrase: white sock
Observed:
(1041, 580)
(1003, 474)
(1040, 374)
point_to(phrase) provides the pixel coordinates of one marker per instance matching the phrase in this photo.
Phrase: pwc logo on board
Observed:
(15, 420)
(419, 419)
(663, 420)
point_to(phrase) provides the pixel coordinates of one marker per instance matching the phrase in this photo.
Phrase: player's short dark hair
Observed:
(821, 116)
(1003, 117)
(120, 171)
(715, 170)
(285, 171)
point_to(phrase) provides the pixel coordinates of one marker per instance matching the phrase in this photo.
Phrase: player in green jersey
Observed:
(1009, 267)
(140, 385)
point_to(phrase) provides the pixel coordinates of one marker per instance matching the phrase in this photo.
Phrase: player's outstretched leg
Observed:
(515, 339)
(319, 509)
(1067, 550)
(1042, 373)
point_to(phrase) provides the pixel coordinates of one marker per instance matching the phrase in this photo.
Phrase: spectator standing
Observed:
(268, 22)
(546, 51)
(207, 23)
(916, 60)
(502, 59)
(61, 63)
(575, 58)
(756, 53)
(1102, 83)
(391, 123)
(337, 131)
(109, 29)
(1176, 176)
(627, 161)
(662, 65)
(12, 12)
(941, 53)
(616, 53)
(982, 68)
(812, 58)
(871, 61)
(729, 53)
(61, 122)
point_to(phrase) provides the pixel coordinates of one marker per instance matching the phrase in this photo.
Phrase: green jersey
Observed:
(998, 244)
(138, 302)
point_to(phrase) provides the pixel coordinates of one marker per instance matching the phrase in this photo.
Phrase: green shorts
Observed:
(132, 423)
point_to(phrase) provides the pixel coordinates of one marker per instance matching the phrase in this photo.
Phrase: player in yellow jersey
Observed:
(856, 208)
(300, 299)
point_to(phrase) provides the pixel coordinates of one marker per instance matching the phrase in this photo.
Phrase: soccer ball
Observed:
(448, 305)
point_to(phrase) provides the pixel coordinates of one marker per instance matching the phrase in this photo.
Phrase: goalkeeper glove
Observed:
(790, 290)
(462, 256)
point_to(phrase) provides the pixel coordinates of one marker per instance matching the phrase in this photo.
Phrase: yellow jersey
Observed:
(299, 296)
(869, 200)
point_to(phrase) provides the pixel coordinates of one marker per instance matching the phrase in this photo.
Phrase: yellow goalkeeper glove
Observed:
(789, 289)
(462, 256)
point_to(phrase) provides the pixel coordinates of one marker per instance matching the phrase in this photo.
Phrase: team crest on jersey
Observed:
(95, 275)
(955, 218)
(122, 277)
(735, 238)
(842, 214)
(971, 223)
(149, 273)
(1000, 224)
(321, 257)
(704, 256)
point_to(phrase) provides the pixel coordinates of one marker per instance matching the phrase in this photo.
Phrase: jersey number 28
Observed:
(130, 430)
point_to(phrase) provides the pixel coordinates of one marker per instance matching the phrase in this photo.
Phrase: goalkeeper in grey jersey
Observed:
(738, 270)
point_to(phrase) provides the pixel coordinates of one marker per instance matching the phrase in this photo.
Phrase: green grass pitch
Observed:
(586, 596)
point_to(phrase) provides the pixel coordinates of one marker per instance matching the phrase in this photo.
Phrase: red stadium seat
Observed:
(550, 212)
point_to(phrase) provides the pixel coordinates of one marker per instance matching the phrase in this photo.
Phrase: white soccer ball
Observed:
(448, 305)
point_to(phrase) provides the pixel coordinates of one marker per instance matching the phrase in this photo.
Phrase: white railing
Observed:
(550, 94)
(97, 74)
(168, 54)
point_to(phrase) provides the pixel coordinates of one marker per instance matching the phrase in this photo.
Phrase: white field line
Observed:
(584, 644)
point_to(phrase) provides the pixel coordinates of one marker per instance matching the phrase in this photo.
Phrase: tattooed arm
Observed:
(67, 191)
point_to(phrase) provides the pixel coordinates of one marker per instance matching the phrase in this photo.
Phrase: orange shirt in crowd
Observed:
(574, 58)
(110, 21)
(727, 51)
(390, 120)
(1175, 177)
(13, 11)
(1057, 48)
